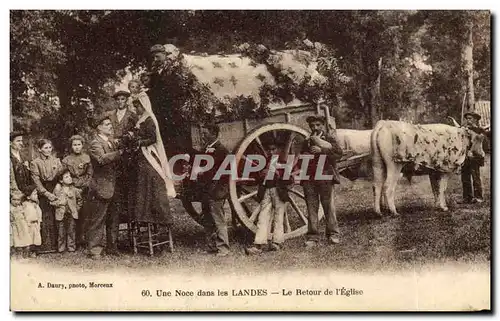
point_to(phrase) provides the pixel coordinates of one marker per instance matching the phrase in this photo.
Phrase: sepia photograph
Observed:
(250, 160)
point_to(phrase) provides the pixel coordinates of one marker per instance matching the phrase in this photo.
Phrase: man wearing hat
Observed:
(471, 174)
(123, 120)
(20, 176)
(102, 219)
(321, 145)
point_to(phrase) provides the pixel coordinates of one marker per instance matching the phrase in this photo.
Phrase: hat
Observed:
(473, 114)
(97, 120)
(15, 134)
(121, 93)
(310, 119)
(157, 48)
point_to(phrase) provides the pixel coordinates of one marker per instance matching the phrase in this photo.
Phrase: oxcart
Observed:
(250, 77)
(244, 137)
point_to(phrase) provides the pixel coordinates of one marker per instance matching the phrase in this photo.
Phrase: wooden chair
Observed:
(148, 236)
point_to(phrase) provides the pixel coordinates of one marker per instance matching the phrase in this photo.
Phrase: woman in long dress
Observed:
(44, 170)
(151, 183)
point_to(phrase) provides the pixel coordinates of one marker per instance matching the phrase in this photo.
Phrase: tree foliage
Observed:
(403, 64)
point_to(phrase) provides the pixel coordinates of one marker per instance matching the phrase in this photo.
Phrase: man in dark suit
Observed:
(102, 220)
(316, 190)
(213, 193)
(20, 176)
(123, 121)
(471, 173)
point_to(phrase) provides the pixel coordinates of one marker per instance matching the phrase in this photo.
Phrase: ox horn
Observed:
(454, 122)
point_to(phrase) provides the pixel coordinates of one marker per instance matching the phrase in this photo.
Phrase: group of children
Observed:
(37, 225)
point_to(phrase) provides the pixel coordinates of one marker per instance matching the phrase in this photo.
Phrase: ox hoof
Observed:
(444, 209)
(394, 214)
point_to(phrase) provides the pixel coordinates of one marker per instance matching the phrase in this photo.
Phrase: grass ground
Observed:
(421, 235)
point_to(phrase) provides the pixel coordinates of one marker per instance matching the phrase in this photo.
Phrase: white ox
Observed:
(440, 149)
(355, 143)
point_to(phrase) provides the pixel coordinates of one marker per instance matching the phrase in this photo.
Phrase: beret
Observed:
(310, 119)
(121, 93)
(15, 134)
(157, 48)
(473, 114)
(97, 120)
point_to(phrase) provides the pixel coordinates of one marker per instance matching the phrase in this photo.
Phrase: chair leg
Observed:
(150, 239)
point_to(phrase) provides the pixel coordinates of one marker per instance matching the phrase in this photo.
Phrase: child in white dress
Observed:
(25, 218)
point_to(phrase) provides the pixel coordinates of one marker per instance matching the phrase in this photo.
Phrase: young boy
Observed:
(273, 196)
(67, 204)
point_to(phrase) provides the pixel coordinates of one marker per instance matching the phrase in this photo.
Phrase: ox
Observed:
(438, 148)
(354, 143)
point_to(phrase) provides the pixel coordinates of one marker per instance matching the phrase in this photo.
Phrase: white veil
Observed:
(156, 149)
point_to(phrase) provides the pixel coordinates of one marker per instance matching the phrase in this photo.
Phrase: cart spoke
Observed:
(298, 210)
(288, 144)
(260, 145)
(255, 213)
(245, 159)
(247, 196)
(288, 228)
(297, 193)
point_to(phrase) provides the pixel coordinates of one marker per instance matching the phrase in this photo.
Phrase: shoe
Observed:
(333, 240)
(477, 200)
(210, 251)
(222, 253)
(310, 244)
(253, 250)
(274, 247)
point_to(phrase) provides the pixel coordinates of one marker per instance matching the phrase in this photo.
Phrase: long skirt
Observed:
(48, 225)
(148, 200)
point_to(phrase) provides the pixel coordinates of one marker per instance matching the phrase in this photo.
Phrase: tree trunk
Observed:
(375, 95)
(468, 66)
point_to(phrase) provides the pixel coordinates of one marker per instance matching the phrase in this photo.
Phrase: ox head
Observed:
(475, 137)
(475, 146)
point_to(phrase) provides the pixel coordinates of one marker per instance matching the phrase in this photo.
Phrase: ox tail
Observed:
(378, 165)
(407, 172)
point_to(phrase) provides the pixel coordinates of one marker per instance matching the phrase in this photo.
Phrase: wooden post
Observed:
(463, 105)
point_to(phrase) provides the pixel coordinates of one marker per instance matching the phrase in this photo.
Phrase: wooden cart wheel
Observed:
(193, 209)
(243, 194)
